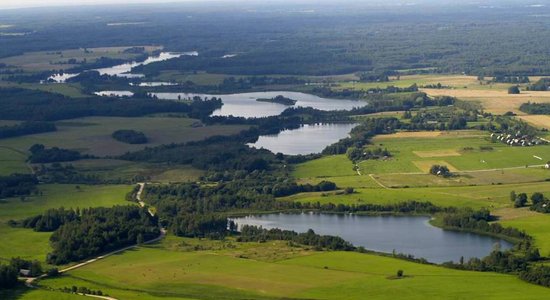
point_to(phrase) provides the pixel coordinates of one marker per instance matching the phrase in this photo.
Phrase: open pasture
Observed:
(92, 135)
(535, 224)
(488, 196)
(476, 152)
(12, 161)
(56, 60)
(113, 170)
(29, 244)
(156, 272)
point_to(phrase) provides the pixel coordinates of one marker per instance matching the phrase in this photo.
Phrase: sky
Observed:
(40, 3)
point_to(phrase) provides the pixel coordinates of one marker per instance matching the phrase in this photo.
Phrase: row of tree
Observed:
(35, 105)
(17, 185)
(25, 128)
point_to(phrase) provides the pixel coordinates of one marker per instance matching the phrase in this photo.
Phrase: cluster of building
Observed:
(518, 139)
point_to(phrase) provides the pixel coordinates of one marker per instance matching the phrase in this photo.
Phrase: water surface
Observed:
(124, 70)
(304, 140)
(404, 234)
(245, 104)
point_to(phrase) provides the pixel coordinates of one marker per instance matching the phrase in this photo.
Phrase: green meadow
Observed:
(92, 135)
(230, 270)
(12, 161)
(16, 241)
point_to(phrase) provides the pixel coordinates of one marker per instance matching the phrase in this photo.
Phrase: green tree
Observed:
(513, 90)
(521, 200)
(537, 198)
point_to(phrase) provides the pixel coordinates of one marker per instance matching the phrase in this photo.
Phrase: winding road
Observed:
(29, 282)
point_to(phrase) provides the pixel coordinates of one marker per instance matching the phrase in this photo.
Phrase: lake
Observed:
(245, 104)
(404, 234)
(304, 140)
(123, 70)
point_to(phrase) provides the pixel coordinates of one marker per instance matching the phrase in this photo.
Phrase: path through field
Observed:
(29, 282)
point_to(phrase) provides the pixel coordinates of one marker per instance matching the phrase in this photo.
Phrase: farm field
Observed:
(470, 154)
(540, 121)
(15, 241)
(493, 97)
(242, 271)
(92, 135)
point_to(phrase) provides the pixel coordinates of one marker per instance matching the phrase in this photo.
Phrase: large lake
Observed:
(245, 104)
(304, 140)
(404, 234)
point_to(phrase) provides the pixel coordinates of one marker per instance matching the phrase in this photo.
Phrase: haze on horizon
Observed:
(11, 4)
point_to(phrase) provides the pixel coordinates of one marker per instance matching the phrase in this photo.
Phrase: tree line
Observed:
(25, 128)
(34, 105)
(17, 185)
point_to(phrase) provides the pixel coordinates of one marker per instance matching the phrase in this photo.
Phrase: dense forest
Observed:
(40, 154)
(17, 185)
(87, 232)
(335, 39)
(24, 104)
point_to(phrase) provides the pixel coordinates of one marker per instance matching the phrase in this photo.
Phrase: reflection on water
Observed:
(304, 140)
(123, 70)
(245, 104)
(403, 234)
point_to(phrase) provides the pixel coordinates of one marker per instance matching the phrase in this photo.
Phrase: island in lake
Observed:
(278, 99)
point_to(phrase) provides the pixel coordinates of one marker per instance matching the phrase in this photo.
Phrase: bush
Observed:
(130, 136)
(513, 90)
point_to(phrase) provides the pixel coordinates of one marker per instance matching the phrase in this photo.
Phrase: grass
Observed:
(112, 170)
(328, 166)
(163, 272)
(17, 241)
(92, 135)
(488, 196)
(538, 226)
(12, 161)
(414, 153)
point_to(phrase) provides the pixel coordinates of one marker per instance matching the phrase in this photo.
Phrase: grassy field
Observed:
(413, 153)
(16, 241)
(12, 161)
(55, 60)
(489, 196)
(92, 135)
(228, 270)
(537, 225)
(112, 170)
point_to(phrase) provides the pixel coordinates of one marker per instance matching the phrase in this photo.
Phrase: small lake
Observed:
(304, 140)
(404, 234)
(245, 104)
